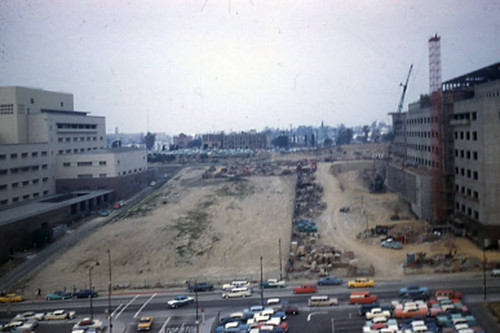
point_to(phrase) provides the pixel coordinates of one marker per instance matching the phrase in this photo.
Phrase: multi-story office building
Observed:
(243, 140)
(47, 151)
(470, 152)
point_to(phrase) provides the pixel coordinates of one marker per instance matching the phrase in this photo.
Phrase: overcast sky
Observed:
(204, 65)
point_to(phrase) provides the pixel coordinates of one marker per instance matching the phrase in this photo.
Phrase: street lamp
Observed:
(261, 285)
(110, 324)
(90, 296)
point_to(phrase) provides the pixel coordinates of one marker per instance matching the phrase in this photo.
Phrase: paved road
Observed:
(127, 309)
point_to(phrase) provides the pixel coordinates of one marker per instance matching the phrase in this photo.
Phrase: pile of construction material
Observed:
(308, 257)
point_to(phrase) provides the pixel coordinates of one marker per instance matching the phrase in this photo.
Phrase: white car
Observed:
(237, 292)
(29, 315)
(86, 323)
(60, 315)
(236, 284)
(495, 272)
(377, 312)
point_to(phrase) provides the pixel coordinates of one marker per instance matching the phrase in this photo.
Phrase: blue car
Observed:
(329, 281)
(57, 295)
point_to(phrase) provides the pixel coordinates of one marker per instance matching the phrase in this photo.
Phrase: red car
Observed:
(305, 289)
(289, 309)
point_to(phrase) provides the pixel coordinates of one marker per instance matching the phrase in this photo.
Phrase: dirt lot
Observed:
(216, 229)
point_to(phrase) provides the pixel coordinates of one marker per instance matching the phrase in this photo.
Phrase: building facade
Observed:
(243, 140)
(470, 156)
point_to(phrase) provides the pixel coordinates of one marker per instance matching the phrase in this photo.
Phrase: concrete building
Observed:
(470, 144)
(243, 140)
(48, 151)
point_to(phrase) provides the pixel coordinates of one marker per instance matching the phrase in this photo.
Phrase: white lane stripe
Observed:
(162, 329)
(126, 306)
(118, 308)
(145, 303)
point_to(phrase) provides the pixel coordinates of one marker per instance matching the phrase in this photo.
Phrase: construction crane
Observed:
(400, 106)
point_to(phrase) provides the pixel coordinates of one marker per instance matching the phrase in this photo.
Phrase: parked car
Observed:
(29, 315)
(289, 309)
(10, 297)
(180, 301)
(305, 289)
(85, 293)
(200, 286)
(391, 244)
(145, 324)
(329, 280)
(242, 283)
(377, 312)
(60, 315)
(104, 212)
(360, 283)
(57, 295)
(232, 327)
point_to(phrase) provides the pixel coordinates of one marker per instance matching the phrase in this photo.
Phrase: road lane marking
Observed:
(142, 307)
(313, 313)
(126, 306)
(162, 329)
(118, 308)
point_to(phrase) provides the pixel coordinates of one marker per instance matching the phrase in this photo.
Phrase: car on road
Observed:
(495, 272)
(362, 297)
(305, 289)
(200, 286)
(180, 301)
(360, 283)
(145, 324)
(85, 293)
(87, 323)
(391, 244)
(322, 301)
(329, 281)
(242, 283)
(10, 297)
(60, 315)
(104, 212)
(237, 292)
(273, 283)
(57, 295)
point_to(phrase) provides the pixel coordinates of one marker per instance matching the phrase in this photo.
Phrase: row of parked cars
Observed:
(60, 294)
(28, 321)
(417, 310)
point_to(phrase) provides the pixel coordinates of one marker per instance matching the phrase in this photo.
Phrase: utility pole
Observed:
(110, 324)
(484, 269)
(261, 285)
(281, 267)
(196, 300)
(90, 296)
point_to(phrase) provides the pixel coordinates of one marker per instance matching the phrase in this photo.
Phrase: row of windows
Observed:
(75, 126)
(466, 135)
(467, 210)
(489, 94)
(466, 154)
(76, 138)
(14, 156)
(467, 173)
(416, 121)
(465, 116)
(24, 183)
(24, 197)
(23, 169)
(76, 150)
(89, 163)
(467, 191)
(6, 108)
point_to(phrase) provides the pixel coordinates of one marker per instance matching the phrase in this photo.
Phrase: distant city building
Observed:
(243, 140)
(182, 140)
(469, 155)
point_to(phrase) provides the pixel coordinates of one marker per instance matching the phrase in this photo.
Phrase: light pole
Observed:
(90, 296)
(110, 324)
(484, 268)
(196, 298)
(261, 285)
(281, 267)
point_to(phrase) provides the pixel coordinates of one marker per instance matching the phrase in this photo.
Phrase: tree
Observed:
(149, 140)
(344, 136)
(281, 141)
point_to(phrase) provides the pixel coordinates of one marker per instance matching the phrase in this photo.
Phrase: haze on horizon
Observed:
(204, 66)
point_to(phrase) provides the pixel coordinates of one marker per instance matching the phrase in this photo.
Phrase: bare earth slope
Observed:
(212, 229)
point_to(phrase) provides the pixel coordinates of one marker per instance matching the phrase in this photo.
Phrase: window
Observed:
(3, 156)
(35, 181)
(45, 192)
(34, 154)
(45, 179)
(467, 135)
(44, 153)
(13, 156)
(474, 155)
(14, 170)
(474, 136)
(36, 195)
(66, 164)
(6, 108)
(102, 175)
(3, 187)
(26, 197)
(15, 199)
(102, 162)
(26, 183)
(474, 115)
(14, 185)
(84, 176)
(44, 166)
(476, 195)
(476, 175)
(476, 215)
(84, 163)
(468, 154)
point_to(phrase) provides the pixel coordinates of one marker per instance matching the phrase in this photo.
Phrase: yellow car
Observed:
(145, 324)
(360, 283)
(10, 298)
